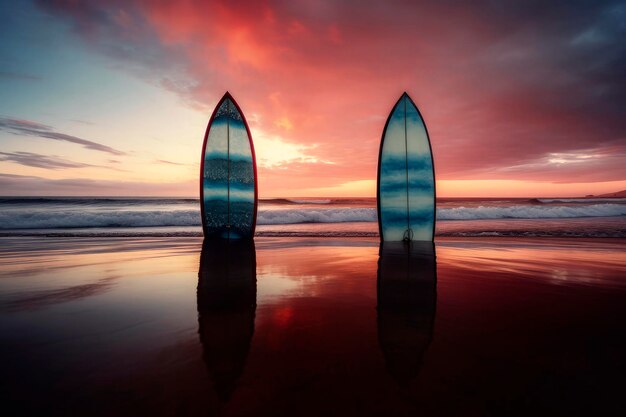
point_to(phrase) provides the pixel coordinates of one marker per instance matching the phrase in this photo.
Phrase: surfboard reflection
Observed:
(407, 296)
(226, 309)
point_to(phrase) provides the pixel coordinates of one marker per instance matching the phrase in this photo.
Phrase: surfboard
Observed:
(406, 176)
(228, 178)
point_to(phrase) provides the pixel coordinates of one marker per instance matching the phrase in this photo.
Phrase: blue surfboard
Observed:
(406, 177)
(228, 179)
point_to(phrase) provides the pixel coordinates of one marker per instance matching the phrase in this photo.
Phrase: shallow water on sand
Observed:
(311, 326)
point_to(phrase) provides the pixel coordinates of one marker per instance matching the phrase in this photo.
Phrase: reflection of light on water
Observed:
(282, 316)
(559, 275)
(273, 284)
(563, 276)
(554, 261)
(288, 269)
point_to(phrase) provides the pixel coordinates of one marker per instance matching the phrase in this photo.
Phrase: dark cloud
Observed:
(119, 29)
(24, 185)
(30, 128)
(40, 161)
(589, 165)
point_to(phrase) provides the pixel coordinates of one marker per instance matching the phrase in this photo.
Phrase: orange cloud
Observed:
(504, 91)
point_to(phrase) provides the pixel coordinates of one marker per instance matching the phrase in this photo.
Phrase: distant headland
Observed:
(619, 194)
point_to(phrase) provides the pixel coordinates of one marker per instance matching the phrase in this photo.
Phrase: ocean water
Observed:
(115, 216)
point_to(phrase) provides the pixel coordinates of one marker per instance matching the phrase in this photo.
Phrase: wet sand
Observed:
(310, 326)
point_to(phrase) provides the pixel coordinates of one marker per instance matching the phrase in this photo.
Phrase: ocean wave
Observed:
(61, 219)
(531, 212)
(292, 201)
(581, 200)
(309, 201)
(296, 216)
(275, 201)
(141, 233)
(71, 219)
(342, 215)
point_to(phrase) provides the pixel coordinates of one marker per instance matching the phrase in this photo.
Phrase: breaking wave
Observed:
(148, 232)
(71, 219)
(293, 201)
(309, 201)
(67, 219)
(581, 200)
(531, 212)
(338, 215)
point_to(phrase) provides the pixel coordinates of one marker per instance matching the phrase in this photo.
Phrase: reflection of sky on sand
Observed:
(563, 262)
(312, 271)
(505, 328)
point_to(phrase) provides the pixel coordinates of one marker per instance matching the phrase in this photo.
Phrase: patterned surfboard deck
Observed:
(406, 177)
(228, 184)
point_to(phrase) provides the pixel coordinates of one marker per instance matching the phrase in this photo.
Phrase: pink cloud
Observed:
(503, 89)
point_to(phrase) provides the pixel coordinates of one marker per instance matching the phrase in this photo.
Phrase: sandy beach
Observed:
(312, 326)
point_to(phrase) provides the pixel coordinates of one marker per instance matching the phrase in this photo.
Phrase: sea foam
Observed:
(52, 218)
(531, 212)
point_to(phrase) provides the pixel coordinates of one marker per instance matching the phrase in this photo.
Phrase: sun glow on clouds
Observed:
(565, 158)
(284, 123)
(507, 92)
(273, 152)
(515, 188)
(459, 188)
(357, 188)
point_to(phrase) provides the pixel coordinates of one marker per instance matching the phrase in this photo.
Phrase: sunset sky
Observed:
(521, 98)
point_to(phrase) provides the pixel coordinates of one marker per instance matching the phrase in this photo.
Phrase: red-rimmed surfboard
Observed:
(406, 176)
(228, 178)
